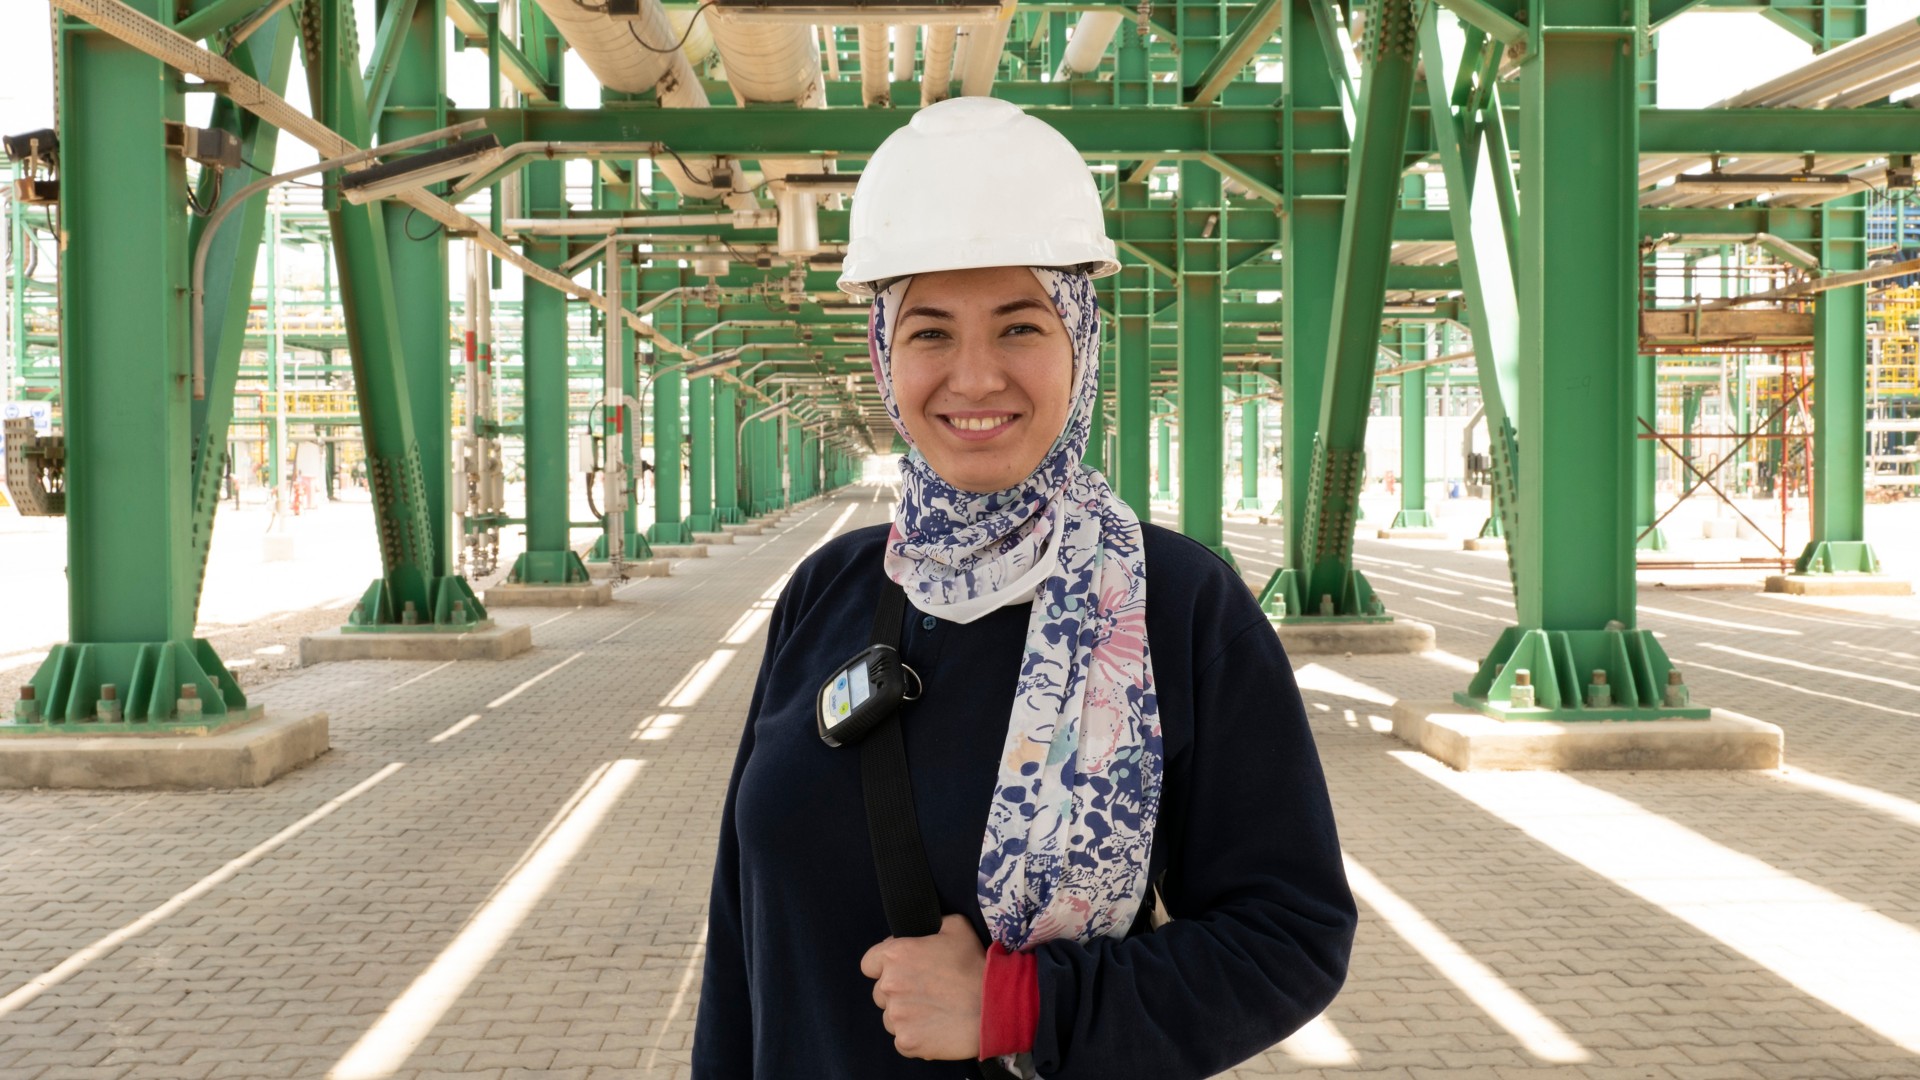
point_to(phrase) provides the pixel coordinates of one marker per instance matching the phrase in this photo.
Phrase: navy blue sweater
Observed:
(1244, 854)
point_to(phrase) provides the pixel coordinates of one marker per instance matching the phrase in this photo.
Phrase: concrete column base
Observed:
(1839, 585)
(586, 595)
(713, 538)
(654, 567)
(1413, 534)
(1470, 741)
(1484, 543)
(748, 529)
(679, 551)
(1306, 638)
(488, 641)
(252, 753)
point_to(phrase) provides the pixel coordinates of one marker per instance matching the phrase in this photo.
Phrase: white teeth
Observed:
(977, 423)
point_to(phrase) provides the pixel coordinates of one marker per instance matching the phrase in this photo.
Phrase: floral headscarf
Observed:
(1071, 824)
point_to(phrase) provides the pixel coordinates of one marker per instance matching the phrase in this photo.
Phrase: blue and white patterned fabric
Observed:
(1071, 825)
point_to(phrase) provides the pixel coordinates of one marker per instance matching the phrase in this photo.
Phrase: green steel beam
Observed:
(409, 540)
(549, 557)
(700, 455)
(229, 278)
(1493, 18)
(1254, 32)
(1839, 539)
(412, 48)
(1479, 181)
(1202, 455)
(400, 38)
(125, 389)
(1579, 311)
(1132, 303)
(726, 464)
(1742, 132)
(1327, 582)
(1314, 212)
(213, 16)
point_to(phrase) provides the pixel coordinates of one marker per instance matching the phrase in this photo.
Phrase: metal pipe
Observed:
(873, 65)
(936, 69)
(903, 36)
(1091, 36)
(1820, 285)
(226, 209)
(752, 219)
(613, 471)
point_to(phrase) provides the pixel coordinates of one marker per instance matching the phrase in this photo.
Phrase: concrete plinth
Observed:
(679, 551)
(1839, 585)
(1398, 636)
(1413, 534)
(277, 547)
(487, 641)
(1484, 543)
(654, 567)
(748, 529)
(713, 538)
(589, 594)
(1472, 741)
(251, 753)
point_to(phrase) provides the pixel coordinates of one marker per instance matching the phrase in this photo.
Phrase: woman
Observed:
(1106, 713)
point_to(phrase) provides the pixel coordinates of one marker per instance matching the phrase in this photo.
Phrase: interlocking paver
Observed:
(280, 970)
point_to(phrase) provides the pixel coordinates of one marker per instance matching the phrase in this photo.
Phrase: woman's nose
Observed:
(977, 370)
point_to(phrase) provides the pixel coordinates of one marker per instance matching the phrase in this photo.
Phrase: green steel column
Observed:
(417, 102)
(1163, 488)
(1413, 435)
(1250, 443)
(1646, 494)
(726, 464)
(126, 393)
(1133, 307)
(1839, 540)
(545, 406)
(700, 455)
(1310, 246)
(407, 531)
(1202, 421)
(1579, 310)
(668, 528)
(1479, 177)
(1321, 581)
(1689, 416)
(231, 260)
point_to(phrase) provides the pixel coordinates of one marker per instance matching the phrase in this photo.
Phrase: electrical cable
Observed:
(678, 45)
(406, 226)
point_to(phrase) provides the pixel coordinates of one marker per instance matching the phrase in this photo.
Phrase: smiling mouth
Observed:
(979, 425)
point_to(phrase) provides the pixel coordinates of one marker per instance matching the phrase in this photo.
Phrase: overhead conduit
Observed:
(613, 50)
(874, 91)
(936, 77)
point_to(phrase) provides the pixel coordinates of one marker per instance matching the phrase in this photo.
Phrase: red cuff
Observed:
(1009, 1003)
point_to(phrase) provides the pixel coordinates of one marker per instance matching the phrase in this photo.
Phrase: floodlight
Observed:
(418, 170)
(858, 12)
(1752, 185)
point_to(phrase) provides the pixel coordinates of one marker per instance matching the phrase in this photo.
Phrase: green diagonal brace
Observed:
(1366, 245)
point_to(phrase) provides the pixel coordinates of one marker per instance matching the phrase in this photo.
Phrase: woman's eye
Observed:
(929, 334)
(1023, 328)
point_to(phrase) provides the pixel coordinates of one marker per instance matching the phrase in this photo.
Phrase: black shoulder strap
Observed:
(906, 885)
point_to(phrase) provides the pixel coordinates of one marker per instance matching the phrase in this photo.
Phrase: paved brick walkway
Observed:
(500, 870)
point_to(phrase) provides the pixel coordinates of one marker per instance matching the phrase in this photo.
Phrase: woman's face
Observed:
(982, 371)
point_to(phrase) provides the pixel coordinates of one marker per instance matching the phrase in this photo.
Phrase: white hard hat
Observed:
(973, 182)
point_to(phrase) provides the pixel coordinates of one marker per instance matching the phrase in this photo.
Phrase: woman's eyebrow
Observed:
(926, 310)
(1025, 303)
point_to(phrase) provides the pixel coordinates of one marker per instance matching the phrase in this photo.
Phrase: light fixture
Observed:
(457, 159)
(857, 12)
(1756, 184)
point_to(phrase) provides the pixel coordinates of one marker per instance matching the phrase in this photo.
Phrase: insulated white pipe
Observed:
(1091, 36)
(936, 77)
(903, 43)
(873, 65)
(984, 46)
